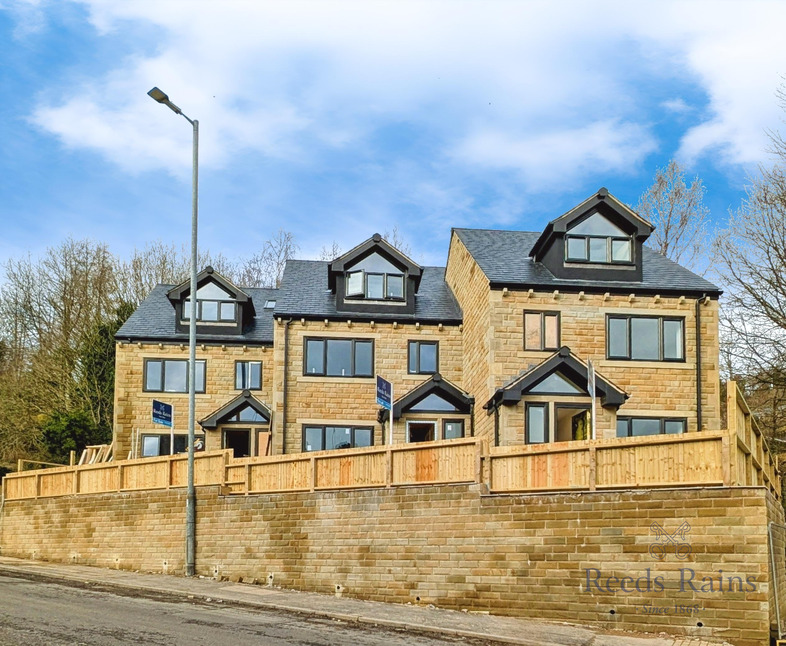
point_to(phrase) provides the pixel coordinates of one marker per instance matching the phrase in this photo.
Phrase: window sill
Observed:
(333, 380)
(658, 365)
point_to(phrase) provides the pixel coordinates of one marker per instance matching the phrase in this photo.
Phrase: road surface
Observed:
(37, 613)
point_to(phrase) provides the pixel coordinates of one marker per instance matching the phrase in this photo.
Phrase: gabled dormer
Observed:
(600, 239)
(222, 308)
(374, 277)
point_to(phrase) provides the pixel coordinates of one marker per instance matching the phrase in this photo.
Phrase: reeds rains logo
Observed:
(668, 543)
(663, 541)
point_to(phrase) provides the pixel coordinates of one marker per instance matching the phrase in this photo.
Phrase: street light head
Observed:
(158, 95)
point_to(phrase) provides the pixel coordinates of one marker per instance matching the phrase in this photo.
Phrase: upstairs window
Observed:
(375, 278)
(214, 305)
(597, 240)
(375, 287)
(423, 357)
(248, 375)
(541, 330)
(645, 338)
(171, 376)
(339, 357)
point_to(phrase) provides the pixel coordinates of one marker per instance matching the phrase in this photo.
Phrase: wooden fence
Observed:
(738, 456)
(129, 475)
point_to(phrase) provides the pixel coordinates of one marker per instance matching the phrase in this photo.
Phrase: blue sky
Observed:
(334, 120)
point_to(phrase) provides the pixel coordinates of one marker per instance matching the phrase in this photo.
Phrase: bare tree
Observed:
(395, 239)
(160, 263)
(266, 268)
(680, 218)
(330, 253)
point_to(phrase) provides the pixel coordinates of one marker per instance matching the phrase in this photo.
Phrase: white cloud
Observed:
(553, 159)
(545, 89)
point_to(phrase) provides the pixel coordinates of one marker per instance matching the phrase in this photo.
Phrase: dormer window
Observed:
(375, 286)
(214, 305)
(596, 240)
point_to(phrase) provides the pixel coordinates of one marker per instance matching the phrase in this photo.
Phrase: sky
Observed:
(335, 120)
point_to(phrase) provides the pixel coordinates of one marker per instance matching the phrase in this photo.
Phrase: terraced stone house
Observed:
(502, 342)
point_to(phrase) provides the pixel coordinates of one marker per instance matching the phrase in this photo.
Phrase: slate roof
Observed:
(503, 256)
(304, 292)
(154, 319)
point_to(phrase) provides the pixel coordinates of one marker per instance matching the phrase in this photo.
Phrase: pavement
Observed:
(423, 619)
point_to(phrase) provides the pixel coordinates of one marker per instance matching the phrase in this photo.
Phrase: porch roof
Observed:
(434, 385)
(567, 364)
(243, 400)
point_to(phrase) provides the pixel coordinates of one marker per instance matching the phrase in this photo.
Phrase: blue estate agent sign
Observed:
(384, 392)
(162, 413)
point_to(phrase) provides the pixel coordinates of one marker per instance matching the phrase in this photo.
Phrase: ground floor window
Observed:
(325, 438)
(560, 423)
(428, 431)
(154, 444)
(638, 426)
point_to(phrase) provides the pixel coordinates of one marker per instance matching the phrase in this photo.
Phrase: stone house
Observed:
(502, 343)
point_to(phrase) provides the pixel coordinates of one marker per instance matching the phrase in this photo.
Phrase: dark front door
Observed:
(239, 441)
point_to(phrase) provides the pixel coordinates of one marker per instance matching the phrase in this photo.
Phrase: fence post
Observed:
(313, 473)
(388, 467)
(119, 477)
(37, 485)
(593, 467)
(248, 477)
(478, 461)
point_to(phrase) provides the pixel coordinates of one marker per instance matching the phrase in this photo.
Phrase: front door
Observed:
(239, 440)
(421, 431)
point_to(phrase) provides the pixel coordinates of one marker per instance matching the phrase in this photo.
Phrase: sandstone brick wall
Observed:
(471, 288)
(525, 555)
(660, 389)
(133, 406)
(352, 400)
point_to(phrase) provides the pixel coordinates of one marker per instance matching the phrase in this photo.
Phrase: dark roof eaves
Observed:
(602, 288)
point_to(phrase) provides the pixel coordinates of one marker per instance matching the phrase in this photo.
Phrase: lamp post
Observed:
(159, 96)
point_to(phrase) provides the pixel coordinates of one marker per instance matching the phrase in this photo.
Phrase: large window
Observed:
(637, 426)
(325, 438)
(375, 286)
(339, 357)
(423, 357)
(171, 376)
(213, 305)
(645, 338)
(541, 330)
(248, 375)
(154, 444)
(596, 239)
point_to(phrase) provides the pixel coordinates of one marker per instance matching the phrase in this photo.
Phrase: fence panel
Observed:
(98, 478)
(537, 468)
(351, 471)
(434, 462)
(690, 459)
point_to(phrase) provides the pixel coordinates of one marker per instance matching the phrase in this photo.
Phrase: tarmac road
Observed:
(37, 613)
